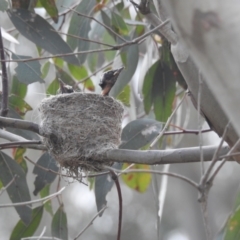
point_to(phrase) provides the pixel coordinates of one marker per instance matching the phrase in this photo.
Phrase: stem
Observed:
(4, 107)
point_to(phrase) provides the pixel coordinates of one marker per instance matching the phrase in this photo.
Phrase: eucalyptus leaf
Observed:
(18, 191)
(28, 72)
(39, 31)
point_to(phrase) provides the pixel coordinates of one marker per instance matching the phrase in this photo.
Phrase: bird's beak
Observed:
(117, 71)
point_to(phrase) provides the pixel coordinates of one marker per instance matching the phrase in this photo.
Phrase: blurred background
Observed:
(181, 217)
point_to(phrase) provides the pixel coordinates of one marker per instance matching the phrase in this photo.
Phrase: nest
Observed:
(77, 127)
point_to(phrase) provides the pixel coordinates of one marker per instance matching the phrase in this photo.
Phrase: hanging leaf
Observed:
(48, 204)
(18, 190)
(103, 185)
(59, 224)
(18, 88)
(78, 72)
(28, 72)
(45, 69)
(53, 87)
(80, 26)
(88, 84)
(39, 31)
(51, 9)
(20, 106)
(147, 87)
(119, 24)
(137, 181)
(18, 157)
(21, 230)
(127, 73)
(124, 96)
(159, 90)
(107, 22)
(44, 177)
(139, 133)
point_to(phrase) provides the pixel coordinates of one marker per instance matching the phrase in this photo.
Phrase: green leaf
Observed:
(28, 72)
(58, 62)
(45, 69)
(3, 5)
(88, 84)
(66, 78)
(119, 24)
(18, 88)
(18, 156)
(51, 9)
(164, 88)
(109, 55)
(91, 182)
(39, 31)
(80, 26)
(48, 204)
(44, 177)
(139, 133)
(18, 190)
(232, 231)
(78, 72)
(59, 224)
(53, 87)
(127, 73)
(124, 96)
(137, 181)
(23, 231)
(19, 105)
(159, 90)
(147, 87)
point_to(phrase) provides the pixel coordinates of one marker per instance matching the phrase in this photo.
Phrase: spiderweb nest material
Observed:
(79, 126)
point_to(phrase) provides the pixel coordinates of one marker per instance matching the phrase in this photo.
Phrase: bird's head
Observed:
(108, 80)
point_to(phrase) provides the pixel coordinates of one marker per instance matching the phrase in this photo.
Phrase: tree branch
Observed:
(4, 103)
(21, 124)
(152, 157)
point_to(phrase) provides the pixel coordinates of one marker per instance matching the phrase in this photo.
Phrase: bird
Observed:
(108, 80)
(64, 88)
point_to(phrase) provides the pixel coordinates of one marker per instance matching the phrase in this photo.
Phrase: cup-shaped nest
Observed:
(77, 127)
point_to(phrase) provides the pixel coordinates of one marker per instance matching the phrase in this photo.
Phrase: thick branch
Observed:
(21, 124)
(152, 157)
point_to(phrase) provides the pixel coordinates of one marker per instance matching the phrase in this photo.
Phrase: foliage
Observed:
(99, 36)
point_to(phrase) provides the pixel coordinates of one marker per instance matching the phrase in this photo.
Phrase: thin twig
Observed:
(4, 102)
(42, 233)
(84, 39)
(16, 138)
(20, 124)
(115, 179)
(186, 131)
(175, 175)
(214, 159)
(9, 184)
(43, 168)
(94, 19)
(199, 122)
(94, 73)
(32, 201)
(19, 144)
(90, 223)
(116, 47)
(223, 162)
(167, 123)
